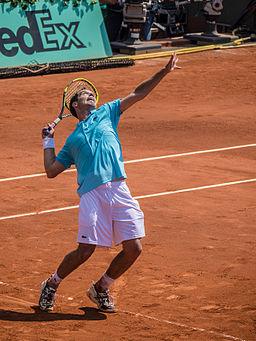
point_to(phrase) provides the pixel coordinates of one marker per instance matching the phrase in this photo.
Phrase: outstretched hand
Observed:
(171, 65)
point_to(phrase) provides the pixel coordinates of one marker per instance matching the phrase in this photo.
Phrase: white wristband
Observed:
(48, 142)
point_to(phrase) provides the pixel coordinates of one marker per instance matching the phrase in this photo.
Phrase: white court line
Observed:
(195, 189)
(141, 160)
(137, 197)
(182, 325)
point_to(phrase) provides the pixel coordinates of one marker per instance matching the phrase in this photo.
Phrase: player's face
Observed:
(86, 98)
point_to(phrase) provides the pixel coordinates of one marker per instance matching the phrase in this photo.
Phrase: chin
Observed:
(92, 105)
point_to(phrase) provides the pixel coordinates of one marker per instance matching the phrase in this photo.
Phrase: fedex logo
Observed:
(40, 35)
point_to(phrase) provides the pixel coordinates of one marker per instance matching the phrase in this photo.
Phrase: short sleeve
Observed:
(64, 156)
(114, 111)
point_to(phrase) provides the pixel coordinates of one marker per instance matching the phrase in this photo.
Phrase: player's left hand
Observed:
(172, 64)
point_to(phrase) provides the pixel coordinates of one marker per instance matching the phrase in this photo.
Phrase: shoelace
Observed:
(105, 298)
(49, 293)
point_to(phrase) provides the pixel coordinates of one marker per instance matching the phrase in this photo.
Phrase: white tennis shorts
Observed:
(108, 214)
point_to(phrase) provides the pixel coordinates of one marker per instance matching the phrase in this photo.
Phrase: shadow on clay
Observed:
(38, 315)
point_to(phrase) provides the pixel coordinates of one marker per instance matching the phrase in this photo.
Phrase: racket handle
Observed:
(54, 123)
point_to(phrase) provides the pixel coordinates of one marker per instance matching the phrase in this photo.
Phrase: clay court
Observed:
(196, 278)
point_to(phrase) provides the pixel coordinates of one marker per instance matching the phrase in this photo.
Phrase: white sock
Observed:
(106, 281)
(55, 279)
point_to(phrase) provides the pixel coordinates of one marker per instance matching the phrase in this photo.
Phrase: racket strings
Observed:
(74, 87)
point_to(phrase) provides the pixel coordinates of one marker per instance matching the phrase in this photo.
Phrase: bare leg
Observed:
(123, 261)
(73, 260)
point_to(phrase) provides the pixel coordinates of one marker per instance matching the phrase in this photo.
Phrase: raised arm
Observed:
(51, 165)
(144, 88)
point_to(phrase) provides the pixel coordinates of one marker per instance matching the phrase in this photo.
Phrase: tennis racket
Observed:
(69, 91)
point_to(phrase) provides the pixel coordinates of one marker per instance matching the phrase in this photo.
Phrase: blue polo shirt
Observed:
(95, 149)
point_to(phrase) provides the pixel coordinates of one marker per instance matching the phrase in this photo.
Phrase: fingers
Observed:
(174, 60)
(48, 131)
(172, 64)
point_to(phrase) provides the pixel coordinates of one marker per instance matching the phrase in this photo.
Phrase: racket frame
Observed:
(65, 104)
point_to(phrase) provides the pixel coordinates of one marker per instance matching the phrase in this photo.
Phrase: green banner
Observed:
(49, 32)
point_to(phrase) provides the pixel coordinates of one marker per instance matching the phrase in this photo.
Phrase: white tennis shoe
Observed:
(103, 300)
(47, 297)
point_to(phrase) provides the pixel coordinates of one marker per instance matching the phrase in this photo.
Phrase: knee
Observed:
(84, 251)
(132, 249)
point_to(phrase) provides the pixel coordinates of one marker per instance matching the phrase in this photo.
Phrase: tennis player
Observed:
(107, 211)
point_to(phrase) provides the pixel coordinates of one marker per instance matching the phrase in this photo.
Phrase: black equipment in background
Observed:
(171, 18)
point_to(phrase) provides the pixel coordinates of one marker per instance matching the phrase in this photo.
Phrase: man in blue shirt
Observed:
(107, 212)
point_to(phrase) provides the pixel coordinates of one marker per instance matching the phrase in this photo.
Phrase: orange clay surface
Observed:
(196, 278)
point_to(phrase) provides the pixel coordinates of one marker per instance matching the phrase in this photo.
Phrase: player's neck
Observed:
(83, 114)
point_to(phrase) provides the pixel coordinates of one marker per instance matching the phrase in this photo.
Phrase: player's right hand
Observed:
(48, 131)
